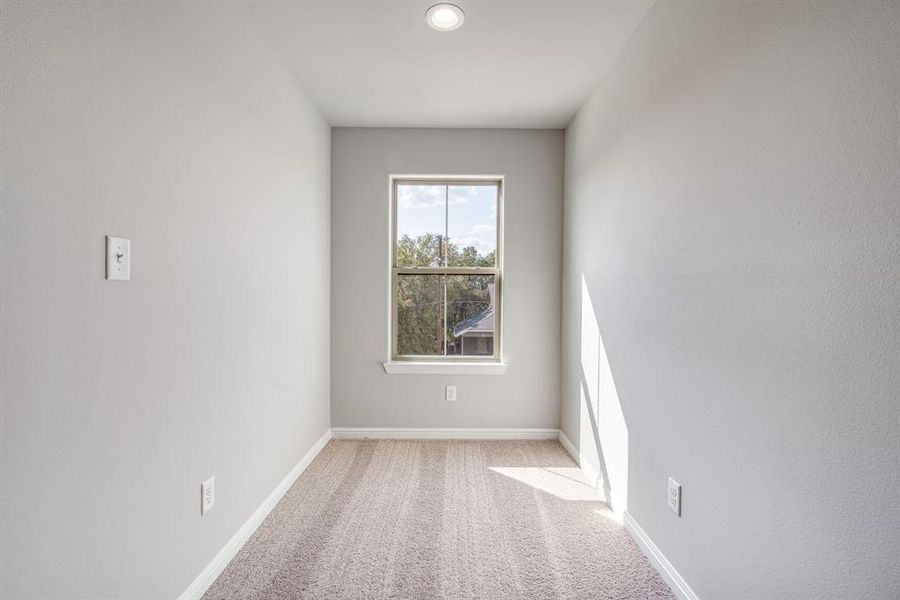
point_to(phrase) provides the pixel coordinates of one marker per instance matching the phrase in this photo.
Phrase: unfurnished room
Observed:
(479, 299)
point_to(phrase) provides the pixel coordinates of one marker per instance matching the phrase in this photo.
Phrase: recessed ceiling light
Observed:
(445, 17)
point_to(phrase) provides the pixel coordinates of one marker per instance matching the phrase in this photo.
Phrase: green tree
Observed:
(424, 300)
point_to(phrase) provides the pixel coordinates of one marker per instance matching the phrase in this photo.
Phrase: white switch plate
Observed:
(450, 393)
(674, 498)
(118, 258)
(207, 495)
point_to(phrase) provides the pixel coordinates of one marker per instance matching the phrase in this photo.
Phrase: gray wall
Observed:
(527, 395)
(732, 283)
(176, 126)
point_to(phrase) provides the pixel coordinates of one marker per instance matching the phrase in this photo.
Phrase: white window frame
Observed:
(455, 364)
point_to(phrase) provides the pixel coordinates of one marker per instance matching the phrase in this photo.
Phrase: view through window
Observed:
(446, 269)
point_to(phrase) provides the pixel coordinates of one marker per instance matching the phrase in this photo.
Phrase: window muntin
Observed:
(446, 255)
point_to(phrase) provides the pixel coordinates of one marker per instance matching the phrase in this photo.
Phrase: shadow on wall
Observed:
(602, 431)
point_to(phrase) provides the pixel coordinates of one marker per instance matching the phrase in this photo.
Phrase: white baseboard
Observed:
(658, 559)
(679, 586)
(590, 472)
(568, 445)
(445, 433)
(205, 579)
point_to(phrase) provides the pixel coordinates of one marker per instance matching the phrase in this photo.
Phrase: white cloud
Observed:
(420, 196)
(483, 237)
(427, 196)
(483, 247)
(462, 193)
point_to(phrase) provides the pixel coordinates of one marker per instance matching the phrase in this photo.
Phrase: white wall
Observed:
(731, 292)
(172, 124)
(527, 395)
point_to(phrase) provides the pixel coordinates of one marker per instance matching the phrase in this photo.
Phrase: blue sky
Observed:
(472, 213)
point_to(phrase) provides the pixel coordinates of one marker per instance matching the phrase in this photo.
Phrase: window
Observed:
(446, 260)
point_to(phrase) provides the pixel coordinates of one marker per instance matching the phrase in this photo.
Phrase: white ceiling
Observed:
(514, 63)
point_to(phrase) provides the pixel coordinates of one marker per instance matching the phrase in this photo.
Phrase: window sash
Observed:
(496, 270)
(447, 271)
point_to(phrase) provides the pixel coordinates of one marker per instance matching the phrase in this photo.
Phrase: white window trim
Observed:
(443, 365)
(408, 367)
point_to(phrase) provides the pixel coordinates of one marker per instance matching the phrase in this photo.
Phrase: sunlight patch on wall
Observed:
(603, 431)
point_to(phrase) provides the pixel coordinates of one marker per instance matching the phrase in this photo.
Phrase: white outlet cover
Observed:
(450, 393)
(207, 495)
(118, 258)
(674, 497)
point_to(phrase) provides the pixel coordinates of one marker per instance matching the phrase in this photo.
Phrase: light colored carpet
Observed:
(440, 519)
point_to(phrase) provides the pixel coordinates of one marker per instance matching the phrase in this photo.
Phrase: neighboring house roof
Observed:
(479, 324)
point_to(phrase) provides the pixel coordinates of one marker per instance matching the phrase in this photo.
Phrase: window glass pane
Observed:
(420, 315)
(472, 225)
(470, 315)
(421, 225)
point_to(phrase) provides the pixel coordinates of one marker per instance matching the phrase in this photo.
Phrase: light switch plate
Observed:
(118, 258)
(450, 393)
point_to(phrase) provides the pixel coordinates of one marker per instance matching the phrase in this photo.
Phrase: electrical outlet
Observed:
(450, 393)
(207, 495)
(674, 497)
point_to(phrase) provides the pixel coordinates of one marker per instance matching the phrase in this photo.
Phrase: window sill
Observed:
(400, 367)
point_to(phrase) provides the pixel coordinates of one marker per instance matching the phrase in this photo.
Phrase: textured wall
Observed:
(732, 292)
(527, 395)
(172, 124)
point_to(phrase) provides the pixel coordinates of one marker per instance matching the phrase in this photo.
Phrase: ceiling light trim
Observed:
(445, 17)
